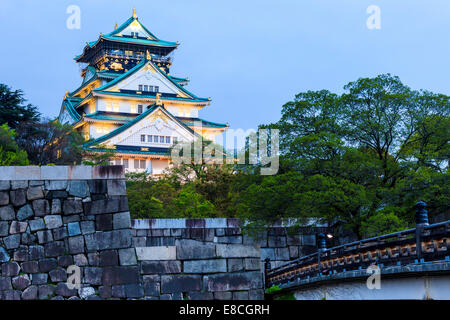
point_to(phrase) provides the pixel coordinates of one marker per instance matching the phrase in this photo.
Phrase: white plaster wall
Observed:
(416, 288)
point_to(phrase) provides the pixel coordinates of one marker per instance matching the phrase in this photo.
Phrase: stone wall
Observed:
(55, 218)
(277, 243)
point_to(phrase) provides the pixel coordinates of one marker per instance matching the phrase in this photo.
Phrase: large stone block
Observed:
(200, 295)
(44, 236)
(122, 220)
(235, 265)
(18, 227)
(109, 258)
(21, 254)
(127, 257)
(4, 228)
(252, 264)
(180, 283)
(53, 221)
(5, 185)
(234, 281)
(10, 269)
(5, 283)
(54, 249)
(134, 291)
(30, 293)
(205, 266)
(12, 242)
(4, 256)
(72, 206)
(152, 288)
(58, 275)
(156, 253)
(78, 188)
(63, 290)
(237, 251)
(47, 265)
(34, 193)
(104, 222)
(41, 207)
(191, 249)
(36, 224)
(116, 239)
(54, 173)
(87, 227)
(97, 186)
(73, 229)
(120, 275)
(45, 291)
(116, 188)
(93, 275)
(30, 267)
(76, 244)
(7, 213)
(18, 197)
(25, 212)
(36, 252)
(160, 267)
(4, 198)
(277, 241)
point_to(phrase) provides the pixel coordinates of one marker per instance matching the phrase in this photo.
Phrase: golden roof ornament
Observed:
(158, 99)
(115, 26)
(148, 55)
(134, 13)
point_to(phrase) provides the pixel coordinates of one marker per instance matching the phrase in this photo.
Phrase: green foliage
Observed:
(50, 142)
(98, 159)
(10, 154)
(363, 158)
(273, 289)
(13, 109)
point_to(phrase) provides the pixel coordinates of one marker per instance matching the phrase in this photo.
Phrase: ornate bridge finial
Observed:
(421, 213)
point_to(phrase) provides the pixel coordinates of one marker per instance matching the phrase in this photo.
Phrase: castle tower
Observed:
(129, 102)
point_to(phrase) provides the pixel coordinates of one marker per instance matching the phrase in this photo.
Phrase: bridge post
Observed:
(421, 222)
(321, 246)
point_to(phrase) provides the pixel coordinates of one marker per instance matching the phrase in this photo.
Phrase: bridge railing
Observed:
(423, 243)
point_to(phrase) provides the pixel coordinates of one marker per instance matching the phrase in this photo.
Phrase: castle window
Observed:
(156, 89)
(140, 108)
(156, 138)
(142, 164)
(136, 164)
(149, 138)
(142, 137)
(140, 87)
(125, 163)
(150, 88)
(167, 139)
(145, 88)
(161, 139)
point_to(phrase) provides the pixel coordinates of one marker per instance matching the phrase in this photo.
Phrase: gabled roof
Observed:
(204, 123)
(114, 36)
(103, 89)
(127, 125)
(69, 103)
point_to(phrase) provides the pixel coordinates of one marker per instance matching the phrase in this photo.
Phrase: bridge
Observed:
(410, 264)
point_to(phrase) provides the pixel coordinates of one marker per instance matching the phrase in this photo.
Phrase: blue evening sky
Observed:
(249, 56)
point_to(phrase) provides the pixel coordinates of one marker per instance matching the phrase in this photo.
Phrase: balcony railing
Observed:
(422, 244)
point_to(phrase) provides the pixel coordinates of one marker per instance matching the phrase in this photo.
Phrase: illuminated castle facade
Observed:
(129, 102)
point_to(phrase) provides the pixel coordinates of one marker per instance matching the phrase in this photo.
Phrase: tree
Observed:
(50, 142)
(10, 154)
(13, 108)
(376, 146)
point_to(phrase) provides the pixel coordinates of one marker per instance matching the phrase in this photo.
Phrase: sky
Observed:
(249, 56)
